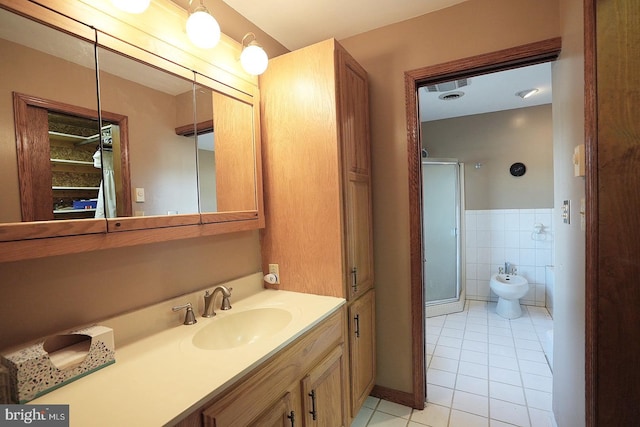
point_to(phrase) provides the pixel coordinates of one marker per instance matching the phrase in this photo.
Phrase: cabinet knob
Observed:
(356, 318)
(292, 418)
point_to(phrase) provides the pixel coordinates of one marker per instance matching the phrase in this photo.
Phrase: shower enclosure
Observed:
(441, 235)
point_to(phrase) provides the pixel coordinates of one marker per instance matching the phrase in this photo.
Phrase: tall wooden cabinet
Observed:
(317, 189)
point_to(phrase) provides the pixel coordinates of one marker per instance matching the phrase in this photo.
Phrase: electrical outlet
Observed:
(275, 269)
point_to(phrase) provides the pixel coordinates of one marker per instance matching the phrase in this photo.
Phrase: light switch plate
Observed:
(139, 195)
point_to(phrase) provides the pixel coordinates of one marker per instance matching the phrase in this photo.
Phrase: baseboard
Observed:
(396, 396)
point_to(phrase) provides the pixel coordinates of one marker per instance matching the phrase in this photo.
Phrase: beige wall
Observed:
(470, 28)
(569, 289)
(497, 140)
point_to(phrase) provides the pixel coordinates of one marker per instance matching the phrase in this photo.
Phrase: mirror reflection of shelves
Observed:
(75, 180)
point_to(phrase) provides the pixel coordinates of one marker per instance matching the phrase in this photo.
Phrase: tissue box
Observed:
(58, 360)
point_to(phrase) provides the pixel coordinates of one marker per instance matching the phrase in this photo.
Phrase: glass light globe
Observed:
(254, 59)
(131, 6)
(203, 30)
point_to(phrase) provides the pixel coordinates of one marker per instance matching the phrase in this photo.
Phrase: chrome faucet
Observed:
(210, 297)
(507, 267)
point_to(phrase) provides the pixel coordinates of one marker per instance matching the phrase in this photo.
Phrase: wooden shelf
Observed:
(71, 162)
(72, 211)
(75, 188)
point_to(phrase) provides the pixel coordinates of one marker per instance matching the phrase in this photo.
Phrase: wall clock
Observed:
(518, 169)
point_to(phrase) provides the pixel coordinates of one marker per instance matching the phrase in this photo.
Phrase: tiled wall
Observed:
(493, 237)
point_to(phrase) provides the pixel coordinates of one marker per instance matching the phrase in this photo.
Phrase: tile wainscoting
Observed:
(493, 237)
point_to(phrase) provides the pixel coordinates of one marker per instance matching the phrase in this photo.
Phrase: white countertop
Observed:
(160, 379)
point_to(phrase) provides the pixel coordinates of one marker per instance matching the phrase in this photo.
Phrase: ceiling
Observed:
(489, 93)
(308, 22)
(299, 23)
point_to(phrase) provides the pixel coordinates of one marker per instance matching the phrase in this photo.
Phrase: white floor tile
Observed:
(473, 369)
(540, 418)
(371, 402)
(472, 385)
(536, 368)
(453, 333)
(483, 370)
(473, 403)
(444, 364)
(439, 395)
(363, 417)
(502, 350)
(394, 409)
(475, 346)
(477, 325)
(450, 342)
(507, 376)
(448, 352)
(481, 358)
(441, 378)
(381, 419)
(464, 419)
(503, 362)
(527, 344)
(537, 382)
(507, 392)
(531, 355)
(432, 415)
(538, 399)
(476, 336)
(509, 412)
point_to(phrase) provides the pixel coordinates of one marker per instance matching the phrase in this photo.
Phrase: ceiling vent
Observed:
(451, 96)
(448, 86)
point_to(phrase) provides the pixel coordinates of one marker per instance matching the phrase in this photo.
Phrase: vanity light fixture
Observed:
(131, 6)
(253, 58)
(202, 28)
(524, 94)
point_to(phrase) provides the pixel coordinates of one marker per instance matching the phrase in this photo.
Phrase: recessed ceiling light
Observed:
(524, 94)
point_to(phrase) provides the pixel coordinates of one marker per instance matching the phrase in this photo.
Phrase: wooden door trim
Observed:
(22, 101)
(591, 213)
(529, 54)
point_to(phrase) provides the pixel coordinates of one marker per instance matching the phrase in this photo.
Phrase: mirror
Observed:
(226, 149)
(162, 164)
(147, 172)
(48, 123)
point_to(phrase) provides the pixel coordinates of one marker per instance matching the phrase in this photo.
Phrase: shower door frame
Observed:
(454, 304)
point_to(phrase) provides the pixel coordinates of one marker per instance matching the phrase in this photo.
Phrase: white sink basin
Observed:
(510, 279)
(241, 328)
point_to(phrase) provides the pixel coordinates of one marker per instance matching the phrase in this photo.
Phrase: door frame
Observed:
(519, 56)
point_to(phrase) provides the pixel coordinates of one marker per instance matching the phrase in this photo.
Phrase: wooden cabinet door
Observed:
(353, 118)
(323, 392)
(280, 414)
(359, 256)
(362, 349)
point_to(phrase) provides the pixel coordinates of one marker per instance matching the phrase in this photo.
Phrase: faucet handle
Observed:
(500, 270)
(189, 317)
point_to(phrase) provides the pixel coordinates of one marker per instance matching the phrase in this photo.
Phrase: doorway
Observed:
(530, 54)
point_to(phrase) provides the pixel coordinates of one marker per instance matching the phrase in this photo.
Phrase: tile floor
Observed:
(483, 370)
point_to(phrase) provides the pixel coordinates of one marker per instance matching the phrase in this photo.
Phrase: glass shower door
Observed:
(440, 231)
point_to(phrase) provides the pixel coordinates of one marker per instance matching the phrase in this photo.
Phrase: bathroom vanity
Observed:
(255, 374)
